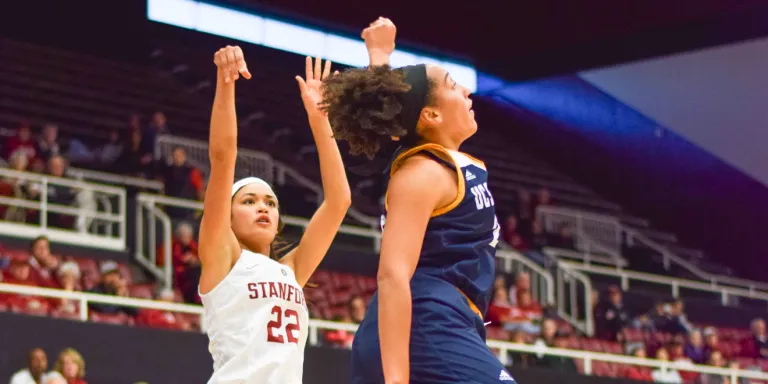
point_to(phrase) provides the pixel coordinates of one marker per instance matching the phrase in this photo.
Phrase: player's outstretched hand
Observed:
(231, 63)
(311, 88)
(380, 36)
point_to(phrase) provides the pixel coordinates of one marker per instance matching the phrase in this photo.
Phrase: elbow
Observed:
(392, 278)
(340, 202)
(222, 153)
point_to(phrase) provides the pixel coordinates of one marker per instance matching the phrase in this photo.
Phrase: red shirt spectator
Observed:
(756, 346)
(637, 372)
(510, 228)
(19, 273)
(44, 264)
(156, 318)
(21, 142)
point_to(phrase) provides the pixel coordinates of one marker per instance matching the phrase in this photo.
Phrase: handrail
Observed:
(510, 255)
(111, 178)
(674, 283)
(668, 255)
(86, 210)
(315, 325)
(586, 257)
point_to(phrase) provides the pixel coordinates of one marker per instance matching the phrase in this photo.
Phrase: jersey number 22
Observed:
(274, 331)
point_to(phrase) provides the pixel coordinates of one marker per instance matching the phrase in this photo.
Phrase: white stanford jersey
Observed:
(256, 320)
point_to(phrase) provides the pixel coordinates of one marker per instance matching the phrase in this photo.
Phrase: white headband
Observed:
(248, 181)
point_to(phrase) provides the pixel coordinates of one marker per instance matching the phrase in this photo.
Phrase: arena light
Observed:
(302, 40)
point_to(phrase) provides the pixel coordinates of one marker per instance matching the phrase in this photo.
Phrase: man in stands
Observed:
(48, 144)
(182, 180)
(611, 316)
(756, 346)
(59, 194)
(37, 365)
(44, 264)
(158, 126)
(22, 143)
(112, 283)
(186, 262)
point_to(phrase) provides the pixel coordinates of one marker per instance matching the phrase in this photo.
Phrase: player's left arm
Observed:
(324, 224)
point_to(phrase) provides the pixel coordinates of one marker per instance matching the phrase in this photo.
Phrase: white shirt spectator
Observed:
(25, 377)
(670, 376)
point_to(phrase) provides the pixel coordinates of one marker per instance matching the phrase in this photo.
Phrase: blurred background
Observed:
(625, 143)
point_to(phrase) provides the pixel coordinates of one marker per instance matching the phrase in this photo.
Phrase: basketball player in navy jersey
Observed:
(436, 271)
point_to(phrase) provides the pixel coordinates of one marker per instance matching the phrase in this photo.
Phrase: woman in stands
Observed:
(255, 312)
(436, 270)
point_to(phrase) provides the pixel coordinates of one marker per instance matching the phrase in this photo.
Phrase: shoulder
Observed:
(420, 173)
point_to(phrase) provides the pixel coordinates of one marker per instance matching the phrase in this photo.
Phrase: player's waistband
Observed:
(472, 305)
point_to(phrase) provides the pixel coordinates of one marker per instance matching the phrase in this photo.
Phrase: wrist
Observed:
(379, 56)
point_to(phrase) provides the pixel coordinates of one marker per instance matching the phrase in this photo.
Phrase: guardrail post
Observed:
(724, 297)
(84, 309)
(588, 366)
(624, 282)
(312, 335)
(44, 205)
(675, 289)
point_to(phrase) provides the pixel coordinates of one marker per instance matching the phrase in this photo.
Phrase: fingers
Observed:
(231, 63)
(326, 70)
(302, 84)
(318, 68)
(308, 68)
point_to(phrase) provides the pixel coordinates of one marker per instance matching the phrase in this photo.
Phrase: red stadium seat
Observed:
(142, 291)
(118, 319)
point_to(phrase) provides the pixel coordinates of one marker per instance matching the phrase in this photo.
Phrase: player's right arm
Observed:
(218, 246)
(419, 187)
(380, 41)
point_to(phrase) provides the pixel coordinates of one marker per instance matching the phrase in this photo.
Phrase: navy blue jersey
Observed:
(460, 240)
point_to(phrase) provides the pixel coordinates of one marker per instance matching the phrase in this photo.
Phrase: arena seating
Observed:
(88, 96)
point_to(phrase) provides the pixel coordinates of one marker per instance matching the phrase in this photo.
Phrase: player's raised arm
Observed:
(324, 224)
(218, 244)
(414, 192)
(380, 41)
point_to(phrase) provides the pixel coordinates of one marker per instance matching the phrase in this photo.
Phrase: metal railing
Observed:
(611, 225)
(574, 299)
(149, 214)
(675, 285)
(542, 283)
(98, 211)
(594, 234)
(501, 348)
(115, 179)
(252, 163)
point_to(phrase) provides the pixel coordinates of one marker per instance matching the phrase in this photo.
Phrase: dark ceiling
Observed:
(527, 39)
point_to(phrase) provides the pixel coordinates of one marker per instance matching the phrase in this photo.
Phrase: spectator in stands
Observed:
(522, 283)
(54, 377)
(638, 372)
(43, 262)
(108, 154)
(678, 322)
(543, 198)
(21, 187)
(695, 348)
(112, 283)
(37, 365)
(71, 366)
(135, 161)
(186, 262)
(756, 346)
(22, 143)
(59, 194)
(356, 308)
(676, 352)
(526, 315)
(538, 237)
(520, 359)
(157, 318)
(716, 360)
(134, 122)
(69, 280)
(19, 273)
(498, 311)
(611, 316)
(668, 376)
(525, 212)
(182, 180)
(711, 341)
(157, 126)
(340, 338)
(550, 338)
(659, 317)
(48, 144)
(564, 238)
(510, 228)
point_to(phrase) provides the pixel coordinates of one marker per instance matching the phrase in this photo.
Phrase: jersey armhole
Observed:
(442, 156)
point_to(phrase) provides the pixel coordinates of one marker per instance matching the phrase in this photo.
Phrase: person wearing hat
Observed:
(112, 283)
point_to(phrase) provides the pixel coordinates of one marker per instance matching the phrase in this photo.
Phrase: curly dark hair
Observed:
(364, 107)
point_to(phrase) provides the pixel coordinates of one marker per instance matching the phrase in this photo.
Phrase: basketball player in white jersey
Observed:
(255, 311)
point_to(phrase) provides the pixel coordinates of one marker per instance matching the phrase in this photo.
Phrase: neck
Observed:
(256, 249)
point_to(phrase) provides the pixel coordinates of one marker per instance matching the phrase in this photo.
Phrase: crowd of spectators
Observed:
(524, 231)
(69, 368)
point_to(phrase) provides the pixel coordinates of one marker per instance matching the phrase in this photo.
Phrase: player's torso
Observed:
(460, 240)
(257, 322)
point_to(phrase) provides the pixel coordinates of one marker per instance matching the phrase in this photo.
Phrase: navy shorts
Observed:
(447, 342)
